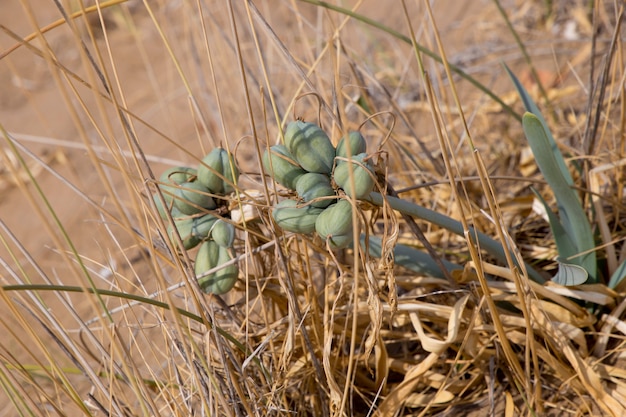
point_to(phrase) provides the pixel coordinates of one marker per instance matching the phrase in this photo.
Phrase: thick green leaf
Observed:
(493, 247)
(618, 276)
(531, 107)
(573, 218)
(570, 275)
(565, 245)
(410, 258)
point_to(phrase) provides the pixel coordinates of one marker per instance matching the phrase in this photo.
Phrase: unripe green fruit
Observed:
(201, 226)
(223, 233)
(171, 178)
(353, 144)
(312, 186)
(192, 197)
(216, 171)
(283, 168)
(335, 225)
(310, 146)
(295, 219)
(363, 176)
(184, 227)
(161, 209)
(230, 172)
(208, 257)
(208, 169)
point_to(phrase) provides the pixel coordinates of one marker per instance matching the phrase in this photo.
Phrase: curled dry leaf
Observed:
(433, 345)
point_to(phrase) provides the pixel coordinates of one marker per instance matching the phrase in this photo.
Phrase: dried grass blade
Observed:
(606, 329)
(396, 398)
(585, 372)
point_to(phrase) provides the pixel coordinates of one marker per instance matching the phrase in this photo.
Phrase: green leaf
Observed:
(362, 103)
(574, 223)
(410, 258)
(573, 218)
(531, 107)
(565, 245)
(618, 276)
(570, 275)
(493, 247)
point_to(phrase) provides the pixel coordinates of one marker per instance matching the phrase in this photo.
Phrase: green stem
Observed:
(493, 247)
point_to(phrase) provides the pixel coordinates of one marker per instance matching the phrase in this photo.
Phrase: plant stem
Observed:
(493, 247)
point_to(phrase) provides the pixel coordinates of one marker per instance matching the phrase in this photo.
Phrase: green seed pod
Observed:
(169, 193)
(284, 169)
(340, 241)
(312, 185)
(171, 178)
(185, 230)
(223, 233)
(363, 176)
(310, 146)
(295, 219)
(216, 171)
(202, 226)
(230, 172)
(208, 257)
(351, 144)
(192, 197)
(335, 226)
(207, 169)
(161, 209)
(226, 278)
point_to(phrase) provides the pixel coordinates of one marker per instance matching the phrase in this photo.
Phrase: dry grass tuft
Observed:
(102, 314)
